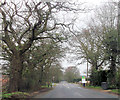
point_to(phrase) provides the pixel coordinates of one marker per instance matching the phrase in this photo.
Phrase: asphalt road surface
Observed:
(68, 90)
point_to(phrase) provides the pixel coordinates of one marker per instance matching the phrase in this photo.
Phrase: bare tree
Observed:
(98, 42)
(22, 24)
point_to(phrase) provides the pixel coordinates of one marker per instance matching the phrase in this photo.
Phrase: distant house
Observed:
(70, 68)
(4, 79)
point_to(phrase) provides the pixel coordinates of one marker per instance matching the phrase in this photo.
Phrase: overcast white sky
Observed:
(83, 17)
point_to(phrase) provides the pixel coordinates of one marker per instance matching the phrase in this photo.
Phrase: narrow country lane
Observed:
(68, 90)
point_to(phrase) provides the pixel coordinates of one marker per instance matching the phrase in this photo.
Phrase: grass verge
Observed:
(15, 95)
(116, 91)
(46, 86)
(94, 87)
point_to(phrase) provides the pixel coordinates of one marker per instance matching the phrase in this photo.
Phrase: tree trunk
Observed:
(41, 75)
(16, 73)
(113, 65)
(112, 73)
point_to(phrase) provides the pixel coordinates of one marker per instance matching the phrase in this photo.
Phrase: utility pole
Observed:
(118, 18)
(87, 72)
(118, 27)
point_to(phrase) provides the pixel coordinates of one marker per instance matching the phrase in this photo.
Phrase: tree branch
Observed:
(6, 38)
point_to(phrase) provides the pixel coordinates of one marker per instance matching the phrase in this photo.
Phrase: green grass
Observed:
(95, 87)
(116, 91)
(8, 95)
(98, 87)
(45, 86)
